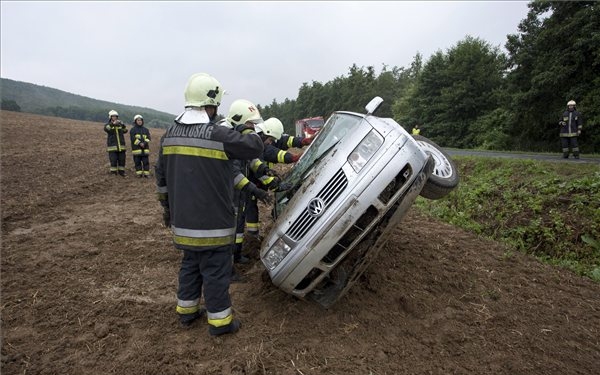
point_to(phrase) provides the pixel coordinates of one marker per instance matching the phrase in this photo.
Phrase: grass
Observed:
(548, 209)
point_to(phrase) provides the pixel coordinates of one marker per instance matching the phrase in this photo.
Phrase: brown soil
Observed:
(89, 277)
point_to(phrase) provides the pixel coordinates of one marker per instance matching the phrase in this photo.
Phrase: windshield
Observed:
(315, 124)
(336, 128)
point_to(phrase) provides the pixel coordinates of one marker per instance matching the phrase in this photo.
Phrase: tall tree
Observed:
(554, 58)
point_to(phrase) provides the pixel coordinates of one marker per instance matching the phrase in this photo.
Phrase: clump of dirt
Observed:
(89, 276)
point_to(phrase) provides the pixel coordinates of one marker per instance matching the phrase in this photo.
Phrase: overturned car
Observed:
(351, 188)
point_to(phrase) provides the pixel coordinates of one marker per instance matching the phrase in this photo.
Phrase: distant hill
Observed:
(31, 98)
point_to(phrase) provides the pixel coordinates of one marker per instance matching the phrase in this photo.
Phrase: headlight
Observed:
(365, 150)
(276, 253)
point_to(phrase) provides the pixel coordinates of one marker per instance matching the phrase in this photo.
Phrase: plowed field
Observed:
(89, 274)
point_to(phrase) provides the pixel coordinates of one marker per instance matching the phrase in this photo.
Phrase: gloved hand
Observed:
(295, 157)
(167, 217)
(263, 196)
(142, 145)
(283, 186)
(306, 141)
(271, 172)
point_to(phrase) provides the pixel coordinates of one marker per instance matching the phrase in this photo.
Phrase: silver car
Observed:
(351, 188)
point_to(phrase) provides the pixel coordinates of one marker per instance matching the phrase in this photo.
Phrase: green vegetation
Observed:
(475, 96)
(47, 101)
(548, 209)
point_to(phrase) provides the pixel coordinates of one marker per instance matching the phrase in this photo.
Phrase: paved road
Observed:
(549, 157)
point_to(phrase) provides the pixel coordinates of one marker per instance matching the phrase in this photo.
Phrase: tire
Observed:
(444, 177)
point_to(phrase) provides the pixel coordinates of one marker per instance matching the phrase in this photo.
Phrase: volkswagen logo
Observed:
(316, 207)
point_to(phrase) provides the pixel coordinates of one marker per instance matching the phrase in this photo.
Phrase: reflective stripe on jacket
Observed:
(195, 169)
(115, 141)
(570, 123)
(140, 134)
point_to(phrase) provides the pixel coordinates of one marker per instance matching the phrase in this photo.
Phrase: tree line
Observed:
(475, 96)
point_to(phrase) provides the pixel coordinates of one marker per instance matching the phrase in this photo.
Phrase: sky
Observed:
(142, 53)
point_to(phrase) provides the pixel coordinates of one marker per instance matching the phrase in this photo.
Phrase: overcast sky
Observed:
(142, 53)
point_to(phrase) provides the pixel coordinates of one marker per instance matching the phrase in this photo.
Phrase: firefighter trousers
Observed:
(252, 223)
(117, 161)
(569, 142)
(142, 165)
(207, 271)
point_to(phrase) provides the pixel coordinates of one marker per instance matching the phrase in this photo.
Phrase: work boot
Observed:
(232, 327)
(241, 259)
(122, 173)
(566, 156)
(187, 320)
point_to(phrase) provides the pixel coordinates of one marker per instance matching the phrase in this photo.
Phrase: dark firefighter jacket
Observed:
(570, 123)
(115, 141)
(140, 134)
(276, 152)
(193, 174)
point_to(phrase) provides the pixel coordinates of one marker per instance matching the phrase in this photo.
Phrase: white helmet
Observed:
(137, 117)
(112, 113)
(242, 111)
(571, 102)
(272, 127)
(203, 89)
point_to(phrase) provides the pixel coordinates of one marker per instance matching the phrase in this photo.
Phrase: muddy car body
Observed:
(350, 188)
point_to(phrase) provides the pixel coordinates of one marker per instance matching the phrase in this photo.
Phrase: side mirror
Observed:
(373, 105)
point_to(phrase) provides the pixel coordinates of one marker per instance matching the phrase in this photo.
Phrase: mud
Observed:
(89, 274)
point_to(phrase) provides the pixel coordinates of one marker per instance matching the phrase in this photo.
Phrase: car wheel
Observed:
(444, 177)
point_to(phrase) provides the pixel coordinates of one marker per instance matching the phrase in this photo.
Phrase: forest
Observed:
(473, 95)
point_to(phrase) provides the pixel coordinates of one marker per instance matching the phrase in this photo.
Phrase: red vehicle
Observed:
(309, 127)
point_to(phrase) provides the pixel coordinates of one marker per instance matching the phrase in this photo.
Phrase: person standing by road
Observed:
(416, 130)
(140, 147)
(571, 125)
(115, 143)
(195, 187)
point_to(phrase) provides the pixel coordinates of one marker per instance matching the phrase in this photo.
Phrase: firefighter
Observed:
(194, 184)
(416, 130)
(255, 169)
(275, 152)
(570, 124)
(115, 142)
(140, 147)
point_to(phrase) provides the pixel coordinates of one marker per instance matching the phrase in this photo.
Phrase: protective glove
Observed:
(284, 186)
(167, 217)
(263, 196)
(271, 172)
(142, 145)
(295, 157)
(306, 141)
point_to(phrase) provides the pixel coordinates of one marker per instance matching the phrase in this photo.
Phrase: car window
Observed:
(335, 129)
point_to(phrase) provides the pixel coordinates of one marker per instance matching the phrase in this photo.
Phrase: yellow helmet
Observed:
(571, 102)
(272, 127)
(242, 111)
(113, 113)
(203, 89)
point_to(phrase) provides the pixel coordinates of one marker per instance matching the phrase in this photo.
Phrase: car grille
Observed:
(328, 194)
